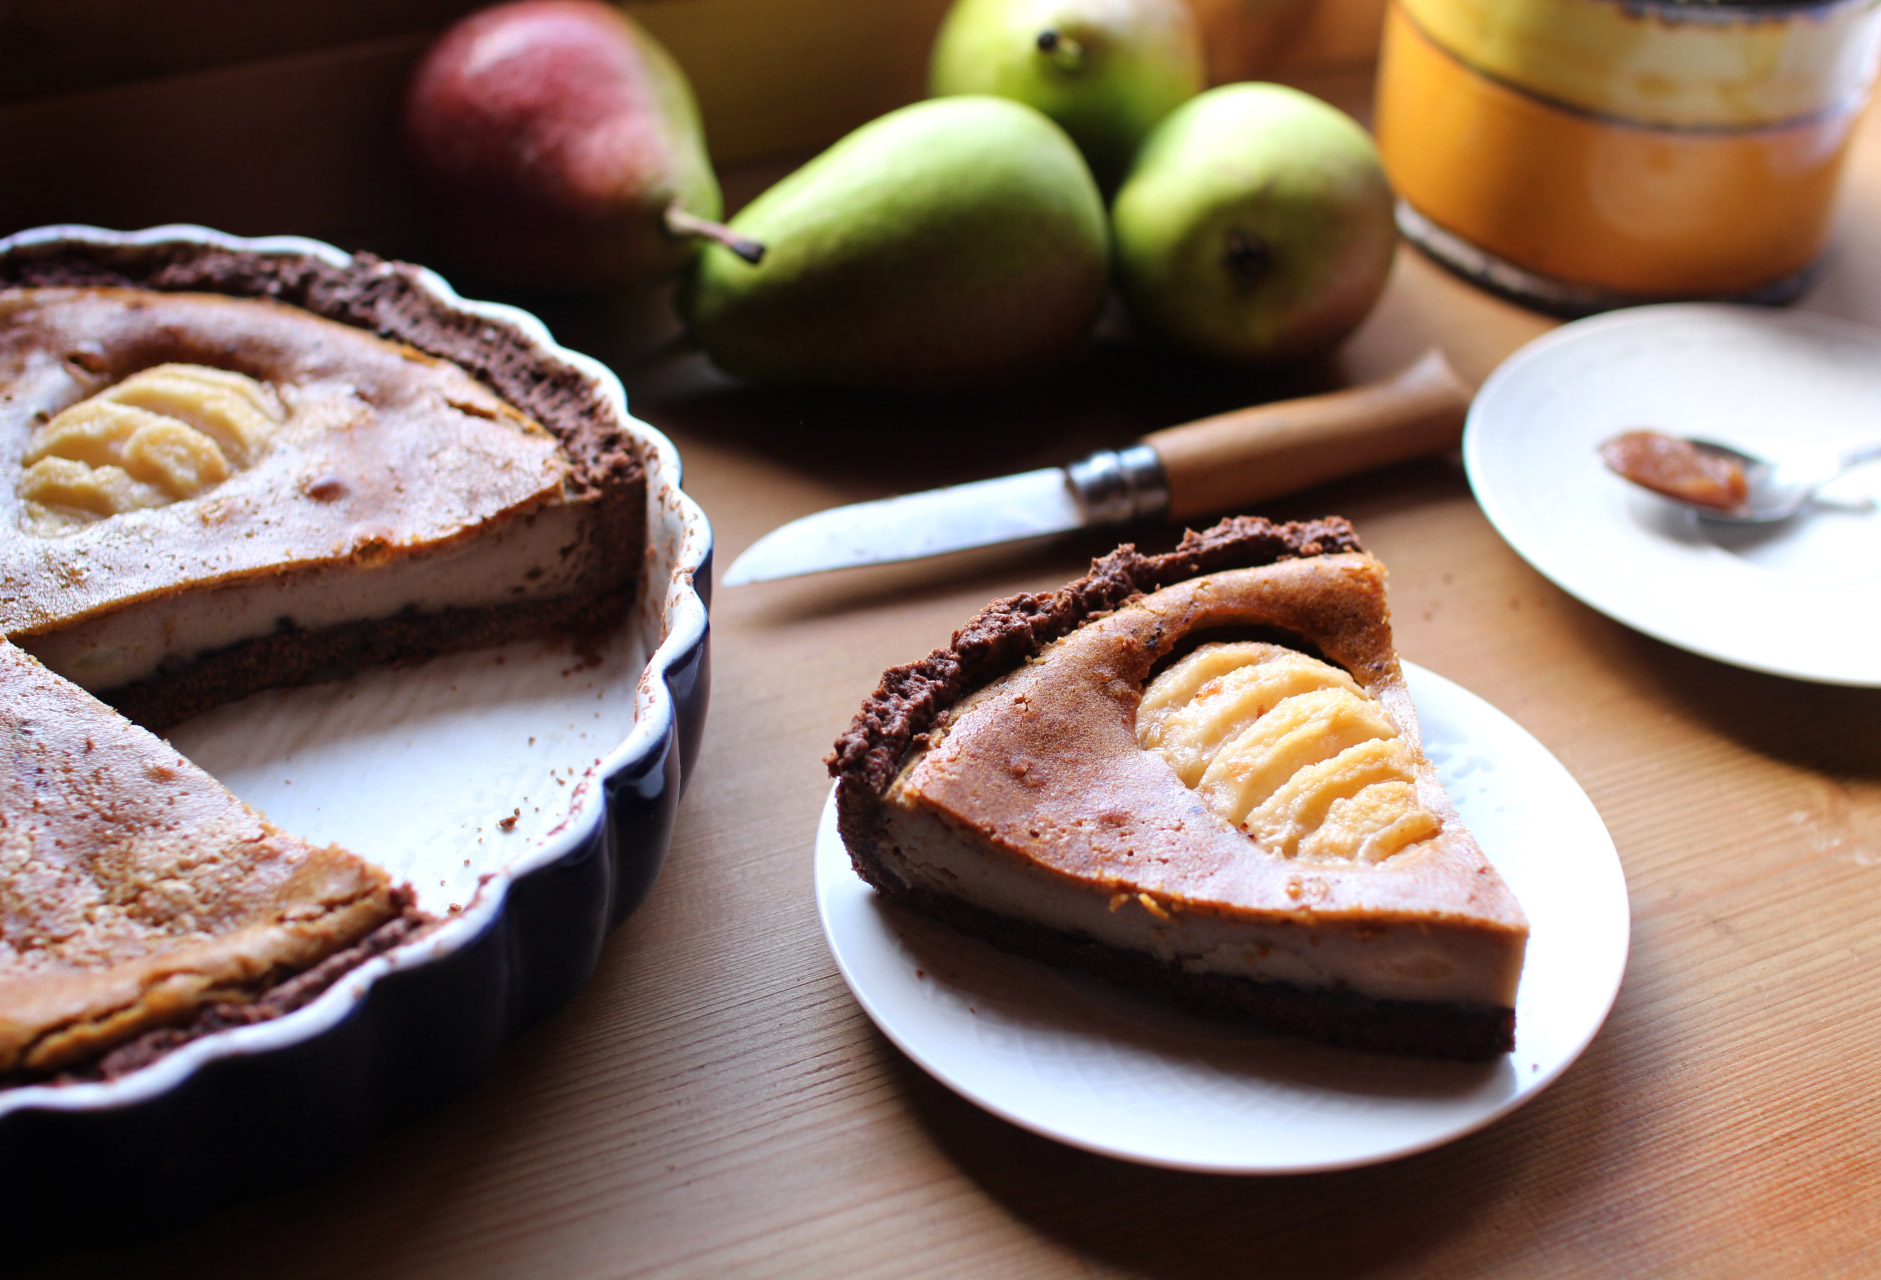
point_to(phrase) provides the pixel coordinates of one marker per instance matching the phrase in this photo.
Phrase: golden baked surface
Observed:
(1289, 749)
(1047, 764)
(155, 440)
(134, 889)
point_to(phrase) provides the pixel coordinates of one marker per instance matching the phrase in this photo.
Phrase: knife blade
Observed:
(1200, 468)
(1031, 504)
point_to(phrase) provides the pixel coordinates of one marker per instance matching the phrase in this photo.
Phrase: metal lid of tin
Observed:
(1670, 63)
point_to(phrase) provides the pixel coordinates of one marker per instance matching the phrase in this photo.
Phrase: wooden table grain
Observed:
(715, 1102)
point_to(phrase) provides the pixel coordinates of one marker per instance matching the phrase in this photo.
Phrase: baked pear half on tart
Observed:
(1198, 772)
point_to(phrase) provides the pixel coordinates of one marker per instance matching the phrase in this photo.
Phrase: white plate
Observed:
(1112, 1072)
(1799, 599)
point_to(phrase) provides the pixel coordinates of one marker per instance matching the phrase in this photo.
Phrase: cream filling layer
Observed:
(1417, 961)
(529, 557)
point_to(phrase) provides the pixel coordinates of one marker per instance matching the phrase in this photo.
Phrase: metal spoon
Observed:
(1772, 490)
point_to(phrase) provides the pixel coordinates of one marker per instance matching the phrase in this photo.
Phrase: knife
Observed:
(1200, 468)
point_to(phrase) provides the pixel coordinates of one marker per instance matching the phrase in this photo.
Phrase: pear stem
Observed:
(681, 223)
(1066, 54)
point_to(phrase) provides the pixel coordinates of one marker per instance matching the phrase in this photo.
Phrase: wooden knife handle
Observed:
(1223, 463)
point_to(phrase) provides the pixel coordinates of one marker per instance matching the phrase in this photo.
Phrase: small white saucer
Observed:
(1112, 1072)
(1801, 598)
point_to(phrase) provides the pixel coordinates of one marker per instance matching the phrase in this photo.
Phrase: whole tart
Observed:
(1198, 772)
(228, 471)
(225, 472)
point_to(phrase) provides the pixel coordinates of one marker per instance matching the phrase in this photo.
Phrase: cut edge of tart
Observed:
(549, 543)
(1000, 785)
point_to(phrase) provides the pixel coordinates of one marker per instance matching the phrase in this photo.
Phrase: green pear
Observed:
(1105, 70)
(1255, 226)
(953, 245)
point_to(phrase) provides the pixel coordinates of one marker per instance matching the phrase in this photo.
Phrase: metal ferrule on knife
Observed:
(1116, 486)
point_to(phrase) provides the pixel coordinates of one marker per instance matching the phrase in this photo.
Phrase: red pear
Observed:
(558, 146)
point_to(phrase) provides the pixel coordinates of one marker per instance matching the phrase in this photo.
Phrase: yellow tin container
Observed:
(1591, 153)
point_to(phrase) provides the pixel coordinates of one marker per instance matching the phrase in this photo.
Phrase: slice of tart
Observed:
(138, 896)
(1199, 772)
(204, 495)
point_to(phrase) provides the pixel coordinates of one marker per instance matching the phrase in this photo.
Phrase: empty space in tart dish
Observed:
(1287, 748)
(419, 768)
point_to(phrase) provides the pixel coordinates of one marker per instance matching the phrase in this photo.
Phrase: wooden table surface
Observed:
(715, 1102)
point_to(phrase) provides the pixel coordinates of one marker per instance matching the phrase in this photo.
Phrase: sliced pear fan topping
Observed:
(160, 436)
(1289, 749)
